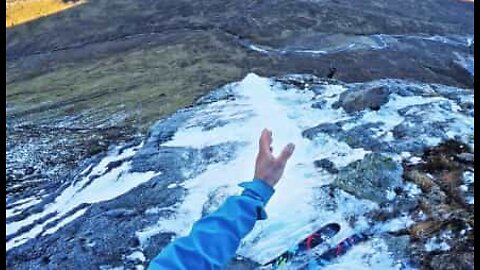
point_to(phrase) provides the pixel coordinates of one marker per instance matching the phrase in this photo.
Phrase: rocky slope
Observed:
(97, 76)
(390, 157)
(102, 72)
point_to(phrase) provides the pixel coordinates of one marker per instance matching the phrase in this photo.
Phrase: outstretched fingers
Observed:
(267, 167)
(286, 153)
(266, 141)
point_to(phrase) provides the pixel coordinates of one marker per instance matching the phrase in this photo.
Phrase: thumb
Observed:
(286, 153)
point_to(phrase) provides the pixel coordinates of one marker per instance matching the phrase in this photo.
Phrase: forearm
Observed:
(214, 239)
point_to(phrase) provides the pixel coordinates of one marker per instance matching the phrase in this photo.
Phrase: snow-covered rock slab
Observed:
(191, 161)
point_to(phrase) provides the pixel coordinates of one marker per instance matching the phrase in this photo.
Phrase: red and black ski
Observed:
(338, 250)
(310, 242)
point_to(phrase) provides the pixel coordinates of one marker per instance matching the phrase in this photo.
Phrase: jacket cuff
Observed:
(259, 190)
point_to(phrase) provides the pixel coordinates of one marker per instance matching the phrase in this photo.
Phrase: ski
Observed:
(337, 251)
(310, 242)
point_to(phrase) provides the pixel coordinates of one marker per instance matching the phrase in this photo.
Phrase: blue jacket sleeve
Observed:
(214, 239)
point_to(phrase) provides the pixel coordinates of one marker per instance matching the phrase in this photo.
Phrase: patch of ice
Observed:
(257, 48)
(468, 177)
(389, 117)
(405, 155)
(172, 185)
(86, 169)
(311, 51)
(415, 160)
(466, 61)
(136, 256)
(24, 201)
(156, 210)
(109, 267)
(102, 167)
(434, 244)
(469, 41)
(391, 194)
(65, 221)
(21, 205)
(421, 216)
(340, 153)
(471, 200)
(412, 189)
(395, 224)
(388, 136)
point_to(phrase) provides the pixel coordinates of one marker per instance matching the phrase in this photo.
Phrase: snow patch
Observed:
(107, 186)
(395, 224)
(172, 185)
(415, 160)
(468, 177)
(434, 244)
(21, 205)
(136, 256)
(65, 221)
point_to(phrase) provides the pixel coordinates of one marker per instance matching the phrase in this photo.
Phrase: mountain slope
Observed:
(358, 146)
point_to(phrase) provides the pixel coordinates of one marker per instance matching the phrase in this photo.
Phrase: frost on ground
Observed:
(360, 161)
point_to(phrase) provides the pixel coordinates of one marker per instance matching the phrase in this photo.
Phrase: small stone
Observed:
(29, 170)
(370, 177)
(357, 100)
(134, 242)
(326, 164)
(421, 179)
(319, 105)
(423, 229)
(114, 164)
(328, 128)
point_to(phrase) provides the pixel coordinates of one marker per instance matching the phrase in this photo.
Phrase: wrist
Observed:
(265, 179)
(258, 189)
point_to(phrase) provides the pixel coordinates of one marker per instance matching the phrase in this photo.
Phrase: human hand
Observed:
(268, 168)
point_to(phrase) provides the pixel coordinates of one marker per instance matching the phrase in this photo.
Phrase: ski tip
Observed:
(335, 227)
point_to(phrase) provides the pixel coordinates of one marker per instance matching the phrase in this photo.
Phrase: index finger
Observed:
(265, 141)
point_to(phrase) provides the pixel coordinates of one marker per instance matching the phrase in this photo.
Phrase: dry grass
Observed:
(19, 12)
(143, 85)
